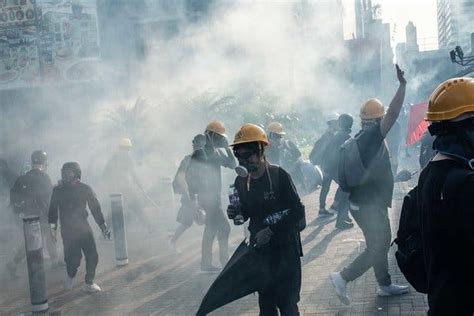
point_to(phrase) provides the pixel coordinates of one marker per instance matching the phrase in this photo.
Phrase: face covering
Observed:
(455, 139)
(245, 167)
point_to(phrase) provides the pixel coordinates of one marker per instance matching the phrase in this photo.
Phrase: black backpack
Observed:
(409, 252)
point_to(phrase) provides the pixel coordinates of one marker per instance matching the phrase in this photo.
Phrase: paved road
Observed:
(157, 282)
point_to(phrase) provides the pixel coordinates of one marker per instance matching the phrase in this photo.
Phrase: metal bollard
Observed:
(34, 259)
(118, 226)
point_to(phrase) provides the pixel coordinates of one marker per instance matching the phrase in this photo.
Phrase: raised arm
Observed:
(395, 106)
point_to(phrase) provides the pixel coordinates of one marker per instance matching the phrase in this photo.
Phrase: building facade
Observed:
(455, 23)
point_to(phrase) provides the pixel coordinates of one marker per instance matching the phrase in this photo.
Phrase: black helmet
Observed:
(39, 157)
(345, 121)
(74, 166)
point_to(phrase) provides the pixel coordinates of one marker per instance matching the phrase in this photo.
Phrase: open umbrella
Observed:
(246, 272)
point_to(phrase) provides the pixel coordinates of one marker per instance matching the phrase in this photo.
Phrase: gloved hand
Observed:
(263, 237)
(231, 212)
(54, 231)
(105, 231)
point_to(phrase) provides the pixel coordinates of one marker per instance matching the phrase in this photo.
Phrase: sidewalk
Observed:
(159, 283)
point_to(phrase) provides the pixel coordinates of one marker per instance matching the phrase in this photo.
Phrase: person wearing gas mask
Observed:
(204, 180)
(30, 195)
(68, 203)
(445, 200)
(370, 200)
(264, 190)
(186, 212)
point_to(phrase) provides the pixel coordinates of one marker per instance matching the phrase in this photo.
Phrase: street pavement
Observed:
(159, 282)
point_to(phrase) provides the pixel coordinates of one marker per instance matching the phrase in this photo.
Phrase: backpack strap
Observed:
(453, 181)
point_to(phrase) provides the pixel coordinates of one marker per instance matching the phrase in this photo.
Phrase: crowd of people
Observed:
(267, 200)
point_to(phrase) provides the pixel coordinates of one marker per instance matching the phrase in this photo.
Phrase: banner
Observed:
(47, 42)
(417, 125)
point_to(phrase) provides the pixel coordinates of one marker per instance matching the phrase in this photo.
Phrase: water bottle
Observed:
(276, 217)
(234, 202)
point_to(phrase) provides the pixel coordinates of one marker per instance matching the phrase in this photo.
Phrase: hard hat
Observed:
(345, 121)
(333, 116)
(372, 109)
(125, 142)
(249, 133)
(275, 128)
(39, 157)
(216, 127)
(451, 99)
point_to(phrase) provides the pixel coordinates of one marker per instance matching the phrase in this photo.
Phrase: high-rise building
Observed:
(412, 38)
(455, 23)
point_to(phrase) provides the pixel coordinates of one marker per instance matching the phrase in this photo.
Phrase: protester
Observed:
(186, 212)
(68, 204)
(369, 201)
(30, 195)
(266, 190)
(120, 176)
(446, 201)
(319, 156)
(204, 180)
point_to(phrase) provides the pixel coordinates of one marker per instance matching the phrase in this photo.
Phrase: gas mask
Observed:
(217, 141)
(245, 166)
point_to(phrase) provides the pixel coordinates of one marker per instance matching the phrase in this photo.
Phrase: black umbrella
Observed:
(246, 272)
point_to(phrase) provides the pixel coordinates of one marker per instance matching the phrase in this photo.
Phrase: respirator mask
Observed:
(245, 166)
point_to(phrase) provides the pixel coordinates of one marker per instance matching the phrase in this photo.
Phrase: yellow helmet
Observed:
(372, 109)
(216, 127)
(451, 99)
(125, 142)
(276, 128)
(249, 133)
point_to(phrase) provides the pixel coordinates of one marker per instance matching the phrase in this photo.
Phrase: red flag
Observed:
(417, 125)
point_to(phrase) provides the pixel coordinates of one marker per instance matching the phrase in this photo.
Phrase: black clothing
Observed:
(272, 192)
(378, 187)
(285, 154)
(284, 291)
(31, 194)
(447, 229)
(375, 225)
(323, 193)
(264, 199)
(69, 201)
(426, 149)
(73, 255)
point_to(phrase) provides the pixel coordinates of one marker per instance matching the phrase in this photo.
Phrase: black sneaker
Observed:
(324, 213)
(209, 269)
(344, 225)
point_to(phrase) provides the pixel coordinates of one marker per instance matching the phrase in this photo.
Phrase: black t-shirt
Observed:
(69, 201)
(378, 188)
(447, 228)
(263, 199)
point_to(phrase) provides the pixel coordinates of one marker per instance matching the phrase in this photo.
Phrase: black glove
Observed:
(105, 231)
(232, 212)
(263, 237)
